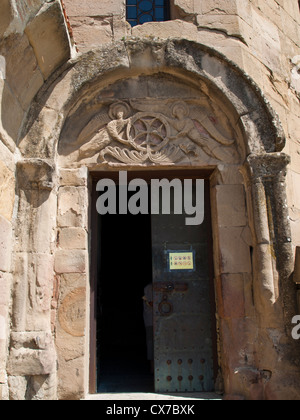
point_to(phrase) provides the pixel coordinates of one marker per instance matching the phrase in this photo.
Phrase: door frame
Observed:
(146, 175)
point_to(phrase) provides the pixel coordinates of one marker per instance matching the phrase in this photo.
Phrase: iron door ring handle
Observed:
(165, 308)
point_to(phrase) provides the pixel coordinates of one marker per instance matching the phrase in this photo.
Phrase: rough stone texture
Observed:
(22, 71)
(6, 16)
(5, 245)
(46, 33)
(74, 261)
(20, 79)
(72, 202)
(44, 282)
(72, 238)
(95, 23)
(7, 191)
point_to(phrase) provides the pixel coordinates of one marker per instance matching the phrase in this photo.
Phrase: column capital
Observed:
(36, 174)
(269, 165)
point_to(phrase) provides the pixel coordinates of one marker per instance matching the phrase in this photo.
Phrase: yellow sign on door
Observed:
(181, 261)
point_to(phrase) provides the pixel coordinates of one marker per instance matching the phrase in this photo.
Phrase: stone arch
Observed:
(252, 250)
(78, 81)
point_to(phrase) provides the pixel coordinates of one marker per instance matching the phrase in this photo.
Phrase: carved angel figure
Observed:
(198, 133)
(113, 130)
(153, 136)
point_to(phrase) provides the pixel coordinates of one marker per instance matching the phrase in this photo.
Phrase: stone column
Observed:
(273, 249)
(32, 361)
(273, 289)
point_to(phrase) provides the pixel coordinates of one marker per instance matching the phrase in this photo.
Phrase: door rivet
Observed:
(180, 378)
(180, 362)
(191, 378)
(169, 362)
(190, 362)
(169, 378)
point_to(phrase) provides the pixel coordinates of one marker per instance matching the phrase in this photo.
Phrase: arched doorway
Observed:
(141, 125)
(203, 114)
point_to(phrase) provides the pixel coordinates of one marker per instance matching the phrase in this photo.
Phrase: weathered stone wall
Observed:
(261, 37)
(43, 211)
(34, 42)
(257, 288)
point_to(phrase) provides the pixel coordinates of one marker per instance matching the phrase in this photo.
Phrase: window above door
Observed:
(142, 11)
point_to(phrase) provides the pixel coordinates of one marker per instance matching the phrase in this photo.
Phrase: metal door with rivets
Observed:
(183, 307)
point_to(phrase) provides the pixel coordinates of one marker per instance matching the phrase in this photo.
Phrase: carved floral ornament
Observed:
(157, 132)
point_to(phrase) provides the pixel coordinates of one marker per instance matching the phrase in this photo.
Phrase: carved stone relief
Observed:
(155, 132)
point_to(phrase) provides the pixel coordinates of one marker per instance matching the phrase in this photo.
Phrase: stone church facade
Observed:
(220, 79)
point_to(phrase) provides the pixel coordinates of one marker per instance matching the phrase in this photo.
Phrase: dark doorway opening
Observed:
(124, 270)
(123, 263)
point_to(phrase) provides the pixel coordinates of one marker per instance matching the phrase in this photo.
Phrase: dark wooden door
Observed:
(183, 306)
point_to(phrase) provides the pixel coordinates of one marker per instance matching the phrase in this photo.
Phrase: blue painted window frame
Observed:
(142, 11)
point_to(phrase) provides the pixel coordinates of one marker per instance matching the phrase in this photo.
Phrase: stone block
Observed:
(40, 278)
(267, 42)
(44, 236)
(295, 177)
(6, 16)
(234, 252)
(221, 7)
(39, 143)
(91, 33)
(71, 261)
(33, 291)
(231, 297)
(41, 273)
(73, 238)
(121, 28)
(5, 244)
(22, 72)
(40, 340)
(295, 225)
(230, 24)
(72, 207)
(218, 40)
(70, 281)
(3, 333)
(231, 205)
(11, 112)
(73, 177)
(165, 30)
(71, 378)
(32, 354)
(39, 218)
(185, 7)
(95, 7)
(72, 314)
(295, 153)
(31, 362)
(7, 191)
(48, 35)
(5, 284)
(17, 388)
